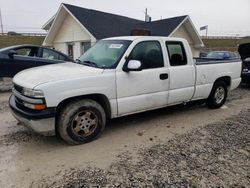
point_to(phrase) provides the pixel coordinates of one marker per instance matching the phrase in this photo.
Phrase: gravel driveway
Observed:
(5, 84)
(181, 146)
(217, 155)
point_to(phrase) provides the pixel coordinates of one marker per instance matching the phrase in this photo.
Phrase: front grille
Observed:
(18, 100)
(18, 88)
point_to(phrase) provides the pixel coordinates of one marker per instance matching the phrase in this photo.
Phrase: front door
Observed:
(145, 89)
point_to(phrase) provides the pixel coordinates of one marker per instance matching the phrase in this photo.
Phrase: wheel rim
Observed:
(219, 95)
(84, 123)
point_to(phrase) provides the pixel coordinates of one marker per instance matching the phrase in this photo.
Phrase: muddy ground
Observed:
(176, 146)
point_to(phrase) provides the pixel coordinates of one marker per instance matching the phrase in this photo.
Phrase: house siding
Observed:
(71, 32)
(183, 33)
(62, 47)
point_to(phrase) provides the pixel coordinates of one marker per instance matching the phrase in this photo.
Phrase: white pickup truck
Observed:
(116, 77)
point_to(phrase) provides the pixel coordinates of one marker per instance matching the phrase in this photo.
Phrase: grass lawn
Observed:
(224, 44)
(14, 40)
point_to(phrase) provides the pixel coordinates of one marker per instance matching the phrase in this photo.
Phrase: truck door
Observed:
(181, 73)
(145, 89)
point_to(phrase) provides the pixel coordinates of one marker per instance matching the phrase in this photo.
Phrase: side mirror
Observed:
(11, 53)
(132, 65)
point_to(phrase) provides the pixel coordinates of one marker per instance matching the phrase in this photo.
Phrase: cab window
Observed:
(149, 53)
(176, 53)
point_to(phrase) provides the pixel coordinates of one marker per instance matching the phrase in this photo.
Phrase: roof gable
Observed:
(103, 25)
(163, 27)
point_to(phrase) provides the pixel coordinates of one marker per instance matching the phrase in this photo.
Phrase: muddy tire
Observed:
(81, 121)
(218, 95)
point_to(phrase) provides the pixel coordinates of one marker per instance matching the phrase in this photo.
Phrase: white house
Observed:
(74, 29)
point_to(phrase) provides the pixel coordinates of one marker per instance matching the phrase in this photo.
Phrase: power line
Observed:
(1, 20)
(19, 26)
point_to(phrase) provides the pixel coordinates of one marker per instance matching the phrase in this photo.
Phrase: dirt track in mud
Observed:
(30, 160)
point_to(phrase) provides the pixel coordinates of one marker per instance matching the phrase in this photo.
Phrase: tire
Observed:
(81, 121)
(218, 95)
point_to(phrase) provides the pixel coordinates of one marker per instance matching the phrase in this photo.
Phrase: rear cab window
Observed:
(176, 53)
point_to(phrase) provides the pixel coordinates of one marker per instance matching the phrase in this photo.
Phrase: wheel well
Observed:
(225, 79)
(100, 98)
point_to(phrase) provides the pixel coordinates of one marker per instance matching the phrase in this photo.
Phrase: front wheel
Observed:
(81, 121)
(218, 95)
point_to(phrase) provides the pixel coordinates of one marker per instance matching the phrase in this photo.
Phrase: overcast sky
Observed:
(223, 17)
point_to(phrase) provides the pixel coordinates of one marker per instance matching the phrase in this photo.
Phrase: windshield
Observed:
(105, 53)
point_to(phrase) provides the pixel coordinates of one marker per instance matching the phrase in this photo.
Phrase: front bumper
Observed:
(42, 122)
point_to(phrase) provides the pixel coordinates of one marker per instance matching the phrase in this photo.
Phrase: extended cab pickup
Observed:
(116, 77)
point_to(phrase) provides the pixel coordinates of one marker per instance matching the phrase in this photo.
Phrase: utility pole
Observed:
(147, 17)
(1, 79)
(204, 28)
(1, 20)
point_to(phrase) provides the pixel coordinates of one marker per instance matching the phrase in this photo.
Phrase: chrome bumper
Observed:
(42, 122)
(44, 127)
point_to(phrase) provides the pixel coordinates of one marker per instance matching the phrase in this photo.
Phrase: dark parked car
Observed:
(17, 58)
(221, 55)
(244, 51)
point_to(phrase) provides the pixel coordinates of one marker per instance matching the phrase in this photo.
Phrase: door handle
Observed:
(164, 76)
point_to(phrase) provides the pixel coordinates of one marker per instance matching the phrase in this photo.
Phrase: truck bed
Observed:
(202, 61)
(207, 71)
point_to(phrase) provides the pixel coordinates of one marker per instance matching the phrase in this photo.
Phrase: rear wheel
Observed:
(218, 95)
(81, 121)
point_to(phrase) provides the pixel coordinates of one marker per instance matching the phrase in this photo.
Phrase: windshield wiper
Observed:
(89, 63)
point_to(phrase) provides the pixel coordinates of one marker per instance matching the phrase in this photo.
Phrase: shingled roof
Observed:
(102, 25)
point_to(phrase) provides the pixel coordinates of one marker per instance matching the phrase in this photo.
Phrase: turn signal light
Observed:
(35, 106)
(39, 106)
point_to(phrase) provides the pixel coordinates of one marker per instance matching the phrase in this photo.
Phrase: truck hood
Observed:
(33, 77)
(244, 50)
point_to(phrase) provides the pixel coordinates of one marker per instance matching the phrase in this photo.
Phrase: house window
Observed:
(85, 46)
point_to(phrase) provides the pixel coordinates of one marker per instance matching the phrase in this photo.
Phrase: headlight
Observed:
(33, 93)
